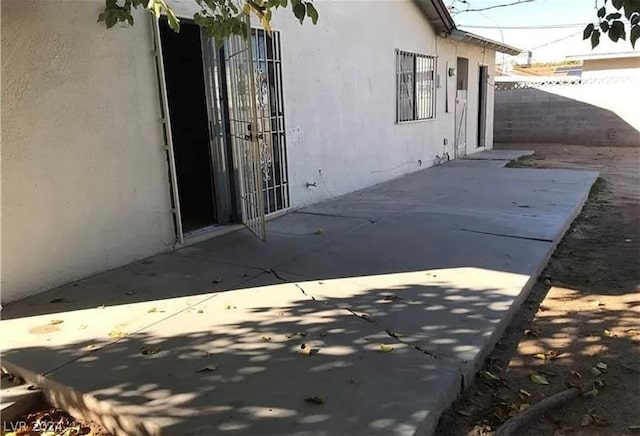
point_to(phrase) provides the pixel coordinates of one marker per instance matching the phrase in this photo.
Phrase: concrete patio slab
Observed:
(477, 163)
(449, 313)
(499, 154)
(287, 236)
(430, 267)
(257, 376)
(381, 248)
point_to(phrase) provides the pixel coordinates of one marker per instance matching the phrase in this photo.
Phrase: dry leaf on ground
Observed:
(539, 379)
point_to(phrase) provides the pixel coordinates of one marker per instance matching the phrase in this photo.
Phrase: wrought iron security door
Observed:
(244, 131)
(271, 124)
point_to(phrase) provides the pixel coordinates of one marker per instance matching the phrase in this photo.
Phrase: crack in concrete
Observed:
(363, 317)
(371, 220)
(527, 238)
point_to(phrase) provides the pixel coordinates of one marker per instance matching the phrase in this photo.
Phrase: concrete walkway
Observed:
(364, 314)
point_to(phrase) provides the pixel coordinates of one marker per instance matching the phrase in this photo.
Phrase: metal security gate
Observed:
(460, 148)
(244, 132)
(270, 111)
(462, 86)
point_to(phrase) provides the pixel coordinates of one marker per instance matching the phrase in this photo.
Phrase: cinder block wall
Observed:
(592, 113)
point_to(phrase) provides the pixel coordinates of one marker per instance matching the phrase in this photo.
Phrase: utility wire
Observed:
(555, 41)
(519, 2)
(533, 26)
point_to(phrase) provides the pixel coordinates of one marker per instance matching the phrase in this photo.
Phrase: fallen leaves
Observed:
(296, 335)
(55, 322)
(533, 333)
(308, 350)
(601, 366)
(547, 355)
(385, 348)
(208, 368)
(117, 334)
(314, 400)
(591, 418)
(487, 375)
(149, 351)
(59, 300)
(538, 379)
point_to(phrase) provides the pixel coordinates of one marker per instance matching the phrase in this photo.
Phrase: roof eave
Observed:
(470, 38)
(437, 14)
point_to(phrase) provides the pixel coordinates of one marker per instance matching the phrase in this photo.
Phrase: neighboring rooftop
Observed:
(618, 55)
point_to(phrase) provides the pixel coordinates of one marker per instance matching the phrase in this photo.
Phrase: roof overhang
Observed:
(437, 14)
(473, 39)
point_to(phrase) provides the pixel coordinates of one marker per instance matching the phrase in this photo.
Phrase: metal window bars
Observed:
(415, 86)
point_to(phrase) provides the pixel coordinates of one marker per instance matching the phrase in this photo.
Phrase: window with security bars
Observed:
(415, 86)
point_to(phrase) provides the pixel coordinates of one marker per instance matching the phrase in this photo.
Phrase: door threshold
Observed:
(215, 230)
(205, 233)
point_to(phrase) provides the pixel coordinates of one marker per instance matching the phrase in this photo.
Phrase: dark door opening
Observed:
(483, 74)
(186, 95)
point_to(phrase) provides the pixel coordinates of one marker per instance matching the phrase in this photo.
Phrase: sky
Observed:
(568, 18)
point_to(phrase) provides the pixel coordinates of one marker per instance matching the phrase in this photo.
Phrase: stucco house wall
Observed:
(84, 179)
(339, 85)
(84, 175)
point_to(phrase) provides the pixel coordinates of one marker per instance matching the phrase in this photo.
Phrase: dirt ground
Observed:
(581, 322)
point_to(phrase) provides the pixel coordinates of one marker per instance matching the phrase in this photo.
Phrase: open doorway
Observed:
(483, 77)
(184, 78)
(224, 130)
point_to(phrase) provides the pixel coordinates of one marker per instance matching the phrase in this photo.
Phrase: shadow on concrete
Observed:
(259, 379)
(397, 293)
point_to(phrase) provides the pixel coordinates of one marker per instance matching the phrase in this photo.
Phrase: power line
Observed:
(555, 41)
(519, 2)
(533, 26)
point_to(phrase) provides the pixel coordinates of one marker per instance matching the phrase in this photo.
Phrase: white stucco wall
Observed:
(84, 184)
(339, 93)
(339, 90)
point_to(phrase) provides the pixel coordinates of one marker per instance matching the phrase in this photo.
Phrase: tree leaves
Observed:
(634, 34)
(617, 31)
(299, 10)
(612, 24)
(595, 38)
(312, 13)
(219, 19)
(588, 31)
